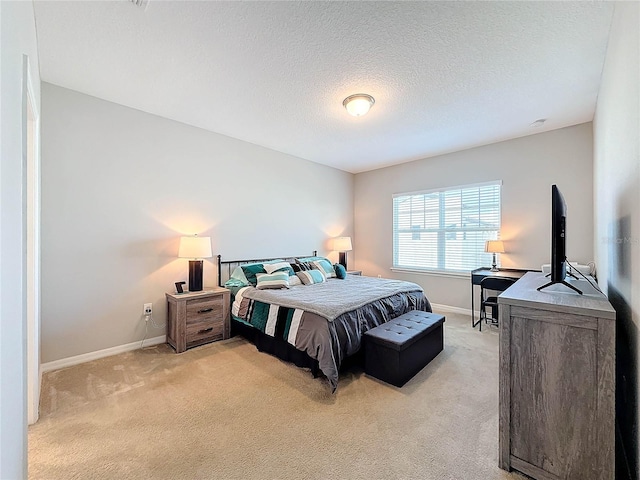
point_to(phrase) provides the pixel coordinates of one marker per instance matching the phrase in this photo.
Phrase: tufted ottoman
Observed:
(395, 351)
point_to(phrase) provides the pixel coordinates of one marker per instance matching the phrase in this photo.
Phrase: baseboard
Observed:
(449, 308)
(107, 352)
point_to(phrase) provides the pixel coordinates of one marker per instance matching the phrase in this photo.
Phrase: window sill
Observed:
(436, 273)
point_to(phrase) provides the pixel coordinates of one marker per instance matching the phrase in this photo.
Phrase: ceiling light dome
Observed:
(358, 104)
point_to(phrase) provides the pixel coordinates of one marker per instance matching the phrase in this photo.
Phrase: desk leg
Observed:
(474, 324)
(473, 315)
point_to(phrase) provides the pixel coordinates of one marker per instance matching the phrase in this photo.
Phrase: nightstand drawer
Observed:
(207, 330)
(200, 310)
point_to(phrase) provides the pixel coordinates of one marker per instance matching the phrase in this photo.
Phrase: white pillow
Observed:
(272, 267)
(272, 280)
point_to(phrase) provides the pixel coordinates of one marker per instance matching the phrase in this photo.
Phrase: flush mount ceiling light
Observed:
(358, 104)
(538, 123)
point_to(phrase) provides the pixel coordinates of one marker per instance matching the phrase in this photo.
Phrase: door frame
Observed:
(31, 232)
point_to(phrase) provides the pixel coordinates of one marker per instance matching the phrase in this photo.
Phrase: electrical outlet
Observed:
(148, 309)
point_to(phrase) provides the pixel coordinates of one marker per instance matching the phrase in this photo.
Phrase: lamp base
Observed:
(342, 259)
(494, 266)
(195, 275)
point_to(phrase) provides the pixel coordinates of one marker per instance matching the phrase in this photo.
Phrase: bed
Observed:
(317, 325)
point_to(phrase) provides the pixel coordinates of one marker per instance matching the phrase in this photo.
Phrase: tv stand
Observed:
(557, 382)
(563, 283)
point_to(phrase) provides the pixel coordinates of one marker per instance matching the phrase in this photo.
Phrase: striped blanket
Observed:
(273, 320)
(331, 337)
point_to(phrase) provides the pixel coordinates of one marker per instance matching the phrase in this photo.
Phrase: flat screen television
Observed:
(558, 235)
(558, 240)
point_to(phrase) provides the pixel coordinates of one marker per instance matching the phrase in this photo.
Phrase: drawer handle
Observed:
(205, 310)
(206, 330)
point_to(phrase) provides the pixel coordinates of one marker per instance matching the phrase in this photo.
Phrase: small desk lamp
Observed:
(195, 248)
(342, 245)
(494, 246)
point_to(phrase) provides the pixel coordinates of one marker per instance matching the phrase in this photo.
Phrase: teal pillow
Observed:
(250, 272)
(326, 267)
(341, 272)
(235, 282)
(239, 273)
(311, 259)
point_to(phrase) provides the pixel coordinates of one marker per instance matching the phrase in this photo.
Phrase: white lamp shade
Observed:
(494, 246)
(358, 104)
(342, 244)
(195, 247)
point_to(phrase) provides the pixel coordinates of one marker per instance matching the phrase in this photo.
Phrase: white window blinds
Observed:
(445, 229)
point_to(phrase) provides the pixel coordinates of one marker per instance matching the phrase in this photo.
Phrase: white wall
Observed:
(528, 166)
(119, 187)
(18, 38)
(617, 200)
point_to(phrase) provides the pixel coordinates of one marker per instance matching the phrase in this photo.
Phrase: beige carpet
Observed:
(225, 411)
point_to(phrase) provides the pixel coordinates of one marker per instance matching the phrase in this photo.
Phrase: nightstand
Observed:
(196, 318)
(354, 272)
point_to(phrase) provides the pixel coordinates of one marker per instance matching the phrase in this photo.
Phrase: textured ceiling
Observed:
(445, 75)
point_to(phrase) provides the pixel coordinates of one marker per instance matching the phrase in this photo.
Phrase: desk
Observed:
(479, 273)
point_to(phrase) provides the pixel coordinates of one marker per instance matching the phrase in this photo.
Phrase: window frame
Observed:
(441, 231)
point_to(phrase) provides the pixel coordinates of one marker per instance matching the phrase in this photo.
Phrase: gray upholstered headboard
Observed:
(226, 267)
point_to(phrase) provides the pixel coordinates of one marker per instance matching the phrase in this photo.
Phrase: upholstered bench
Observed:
(395, 351)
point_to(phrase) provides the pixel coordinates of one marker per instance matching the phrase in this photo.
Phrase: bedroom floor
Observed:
(225, 411)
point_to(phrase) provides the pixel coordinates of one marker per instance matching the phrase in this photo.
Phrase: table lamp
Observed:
(494, 246)
(342, 245)
(195, 248)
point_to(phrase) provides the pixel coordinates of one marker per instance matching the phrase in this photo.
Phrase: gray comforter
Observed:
(335, 297)
(327, 320)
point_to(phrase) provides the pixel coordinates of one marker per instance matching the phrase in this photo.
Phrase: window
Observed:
(445, 229)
